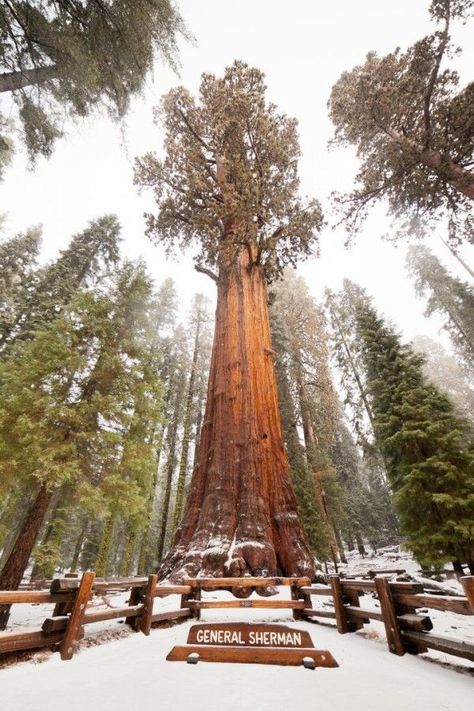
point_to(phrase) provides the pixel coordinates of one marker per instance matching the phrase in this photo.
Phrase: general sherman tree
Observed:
(228, 186)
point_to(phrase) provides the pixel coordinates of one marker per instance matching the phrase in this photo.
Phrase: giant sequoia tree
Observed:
(229, 185)
(413, 127)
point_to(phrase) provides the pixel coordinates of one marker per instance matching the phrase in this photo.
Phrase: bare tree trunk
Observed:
(456, 255)
(11, 81)
(17, 561)
(241, 514)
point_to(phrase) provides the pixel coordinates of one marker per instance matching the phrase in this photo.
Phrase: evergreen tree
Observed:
(427, 449)
(447, 295)
(77, 55)
(86, 260)
(413, 127)
(17, 266)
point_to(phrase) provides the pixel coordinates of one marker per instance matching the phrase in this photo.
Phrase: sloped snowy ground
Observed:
(132, 672)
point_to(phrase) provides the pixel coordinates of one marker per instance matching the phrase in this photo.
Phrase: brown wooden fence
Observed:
(407, 630)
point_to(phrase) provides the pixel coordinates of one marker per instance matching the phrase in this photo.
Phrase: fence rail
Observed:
(406, 629)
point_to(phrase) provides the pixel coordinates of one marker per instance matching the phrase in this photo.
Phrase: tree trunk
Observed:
(17, 561)
(241, 514)
(11, 81)
(183, 462)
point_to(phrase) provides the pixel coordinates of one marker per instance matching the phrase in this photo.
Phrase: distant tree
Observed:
(229, 185)
(413, 128)
(444, 371)
(448, 296)
(77, 55)
(428, 450)
(86, 259)
(17, 268)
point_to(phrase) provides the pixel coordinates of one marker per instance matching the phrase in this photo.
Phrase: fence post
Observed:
(147, 612)
(66, 648)
(343, 625)
(468, 585)
(298, 594)
(387, 608)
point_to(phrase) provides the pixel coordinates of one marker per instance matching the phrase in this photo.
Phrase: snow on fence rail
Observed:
(406, 629)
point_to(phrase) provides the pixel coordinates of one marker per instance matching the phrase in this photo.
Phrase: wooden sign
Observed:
(249, 635)
(251, 644)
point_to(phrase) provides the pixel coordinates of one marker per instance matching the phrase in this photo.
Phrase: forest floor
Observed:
(132, 672)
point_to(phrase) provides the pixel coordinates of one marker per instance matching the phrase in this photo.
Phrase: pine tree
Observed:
(447, 295)
(427, 449)
(86, 259)
(413, 127)
(77, 55)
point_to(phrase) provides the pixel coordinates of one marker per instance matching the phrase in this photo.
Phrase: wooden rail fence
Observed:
(406, 628)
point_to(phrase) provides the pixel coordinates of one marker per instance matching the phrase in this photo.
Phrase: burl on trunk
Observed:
(241, 514)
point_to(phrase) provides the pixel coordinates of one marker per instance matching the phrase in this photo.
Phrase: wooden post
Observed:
(298, 594)
(343, 625)
(136, 597)
(354, 601)
(66, 648)
(468, 585)
(389, 613)
(147, 613)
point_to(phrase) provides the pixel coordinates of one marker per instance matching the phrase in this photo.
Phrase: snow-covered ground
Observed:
(132, 672)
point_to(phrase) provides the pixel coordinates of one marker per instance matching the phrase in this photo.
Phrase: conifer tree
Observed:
(76, 55)
(86, 259)
(413, 127)
(69, 393)
(229, 184)
(448, 296)
(428, 450)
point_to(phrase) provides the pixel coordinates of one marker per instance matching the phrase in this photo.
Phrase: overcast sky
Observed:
(302, 46)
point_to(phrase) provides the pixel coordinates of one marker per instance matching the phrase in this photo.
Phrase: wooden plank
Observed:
(247, 582)
(111, 614)
(387, 606)
(445, 603)
(100, 584)
(253, 655)
(83, 595)
(164, 590)
(10, 597)
(315, 612)
(411, 621)
(248, 634)
(262, 604)
(17, 641)
(171, 615)
(317, 590)
(448, 645)
(145, 619)
(343, 625)
(468, 585)
(361, 585)
(357, 613)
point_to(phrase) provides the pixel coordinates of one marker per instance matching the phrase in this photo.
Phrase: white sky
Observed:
(302, 46)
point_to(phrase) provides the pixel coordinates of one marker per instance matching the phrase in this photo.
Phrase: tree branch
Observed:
(208, 272)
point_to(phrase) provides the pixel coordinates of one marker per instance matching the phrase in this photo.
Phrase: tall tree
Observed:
(77, 55)
(413, 128)
(447, 295)
(428, 450)
(69, 392)
(444, 371)
(86, 259)
(229, 184)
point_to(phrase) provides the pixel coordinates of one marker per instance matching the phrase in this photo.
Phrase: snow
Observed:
(132, 672)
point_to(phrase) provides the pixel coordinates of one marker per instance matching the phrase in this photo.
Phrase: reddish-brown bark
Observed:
(241, 515)
(17, 561)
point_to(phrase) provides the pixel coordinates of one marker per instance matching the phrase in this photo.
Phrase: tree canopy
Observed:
(77, 55)
(229, 178)
(413, 127)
